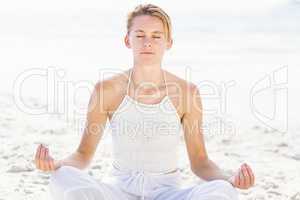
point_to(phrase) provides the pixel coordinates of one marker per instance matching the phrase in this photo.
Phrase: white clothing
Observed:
(145, 139)
(69, 183)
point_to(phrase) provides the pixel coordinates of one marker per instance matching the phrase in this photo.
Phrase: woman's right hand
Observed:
(44, 161)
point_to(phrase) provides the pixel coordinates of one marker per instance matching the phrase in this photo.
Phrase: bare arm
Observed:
(201, 165)
(95, 124)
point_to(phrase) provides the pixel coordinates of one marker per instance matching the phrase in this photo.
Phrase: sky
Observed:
(234, 7)
(222, 40)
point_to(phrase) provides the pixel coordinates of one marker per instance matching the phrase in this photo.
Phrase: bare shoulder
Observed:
(110, 89)
(112, 83)
(184, 85)
(184, 93)
(185, 89)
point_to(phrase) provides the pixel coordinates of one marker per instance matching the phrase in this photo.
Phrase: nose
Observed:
(147, 43)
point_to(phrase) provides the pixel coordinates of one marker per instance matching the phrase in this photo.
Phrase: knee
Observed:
(61, 174)
(223, 184)
(227, 189)
(62, 179)
(216, 189)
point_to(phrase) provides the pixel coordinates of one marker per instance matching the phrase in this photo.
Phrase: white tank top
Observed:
(145, 141)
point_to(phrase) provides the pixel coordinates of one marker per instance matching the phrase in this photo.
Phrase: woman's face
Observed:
(147, 40)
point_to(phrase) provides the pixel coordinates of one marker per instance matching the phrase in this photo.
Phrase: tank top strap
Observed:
(129, 79)
(164, 76)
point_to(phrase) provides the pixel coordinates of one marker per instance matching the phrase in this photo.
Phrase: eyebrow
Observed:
(139, 30)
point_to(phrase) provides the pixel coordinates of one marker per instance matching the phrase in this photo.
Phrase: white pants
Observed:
(69, 183)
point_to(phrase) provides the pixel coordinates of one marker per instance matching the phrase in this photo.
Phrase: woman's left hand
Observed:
(244, 178)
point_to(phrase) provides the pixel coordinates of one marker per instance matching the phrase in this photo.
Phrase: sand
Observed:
(273, 156)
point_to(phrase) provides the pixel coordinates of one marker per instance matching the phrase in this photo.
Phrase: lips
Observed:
(147, 52)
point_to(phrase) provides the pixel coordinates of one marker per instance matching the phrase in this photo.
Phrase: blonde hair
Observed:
(151, 10)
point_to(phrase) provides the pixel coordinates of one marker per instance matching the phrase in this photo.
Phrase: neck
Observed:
(145, 73)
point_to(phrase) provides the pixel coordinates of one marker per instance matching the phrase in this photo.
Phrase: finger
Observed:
(237, 180)
(241, 178)
(37, 153)
(251, 174)
(37, 156)
(51, 163)
(47, 166)
(42, 158)
(246, 176)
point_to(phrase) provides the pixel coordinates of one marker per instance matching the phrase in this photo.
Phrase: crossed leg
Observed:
(212, 190)
(70, 183)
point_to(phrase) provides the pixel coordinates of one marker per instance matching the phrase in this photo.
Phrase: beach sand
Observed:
(273, 156)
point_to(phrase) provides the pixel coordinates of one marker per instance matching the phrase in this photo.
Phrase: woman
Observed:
(145, 160)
